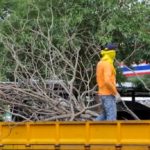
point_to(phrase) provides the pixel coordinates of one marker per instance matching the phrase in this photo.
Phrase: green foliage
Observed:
(138, 82)
(90, 23)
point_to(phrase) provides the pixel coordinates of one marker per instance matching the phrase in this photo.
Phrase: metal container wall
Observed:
(119, 135)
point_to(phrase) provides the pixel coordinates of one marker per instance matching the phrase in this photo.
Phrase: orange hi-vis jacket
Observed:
(106, 78)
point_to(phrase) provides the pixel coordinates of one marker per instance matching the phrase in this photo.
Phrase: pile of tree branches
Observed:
(44, 103)
(49, 49)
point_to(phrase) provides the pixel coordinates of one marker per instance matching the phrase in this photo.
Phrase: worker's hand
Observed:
(118, 98)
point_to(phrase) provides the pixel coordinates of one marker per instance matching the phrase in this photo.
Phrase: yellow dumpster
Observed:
(119, 135)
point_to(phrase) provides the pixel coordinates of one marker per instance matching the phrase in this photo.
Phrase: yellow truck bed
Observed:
(119, 135)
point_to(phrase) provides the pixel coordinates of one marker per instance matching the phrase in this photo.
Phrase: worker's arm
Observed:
(108, 79)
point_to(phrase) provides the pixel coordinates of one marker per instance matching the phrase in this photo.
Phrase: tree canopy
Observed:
(30, 28)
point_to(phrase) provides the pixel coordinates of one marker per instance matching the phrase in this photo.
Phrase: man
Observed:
(106, 80)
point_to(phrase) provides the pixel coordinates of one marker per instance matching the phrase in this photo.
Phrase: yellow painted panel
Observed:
(72, 147)
(75, 147)
(13, 134)
(104, 147)
(137, 133)
(42, 133)
(135, 148)
(72, 133)
(32, 147)
(103, 133)
(13, 147)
